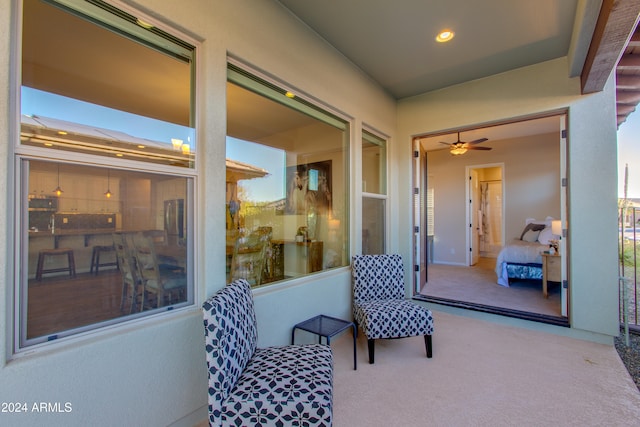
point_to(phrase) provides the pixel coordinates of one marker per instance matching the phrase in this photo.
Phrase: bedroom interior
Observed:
(487, 255)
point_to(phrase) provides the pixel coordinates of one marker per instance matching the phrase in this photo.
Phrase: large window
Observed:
(287, 183)
(105, 170)
(374, 193)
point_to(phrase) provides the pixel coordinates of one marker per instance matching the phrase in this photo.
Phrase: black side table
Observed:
(326, 326)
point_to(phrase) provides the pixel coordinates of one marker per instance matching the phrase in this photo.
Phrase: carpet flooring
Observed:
(478, 285)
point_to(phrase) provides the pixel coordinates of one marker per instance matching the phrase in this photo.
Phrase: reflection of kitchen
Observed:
(93, 204)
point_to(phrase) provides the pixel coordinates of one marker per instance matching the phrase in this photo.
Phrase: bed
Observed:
(520, 258)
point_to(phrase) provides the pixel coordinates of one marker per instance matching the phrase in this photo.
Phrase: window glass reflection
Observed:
(287, 188)
(103, 244)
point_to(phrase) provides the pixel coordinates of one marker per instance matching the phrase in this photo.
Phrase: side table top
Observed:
(324, 325)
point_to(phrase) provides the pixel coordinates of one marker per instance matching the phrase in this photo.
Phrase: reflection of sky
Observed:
(629, 153)
(271, 187)
(37, 102)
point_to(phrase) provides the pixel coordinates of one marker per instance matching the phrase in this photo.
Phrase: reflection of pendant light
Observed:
(108, 193)
(58, 190)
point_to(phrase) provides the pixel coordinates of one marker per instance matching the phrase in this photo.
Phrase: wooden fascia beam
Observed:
(617, 21)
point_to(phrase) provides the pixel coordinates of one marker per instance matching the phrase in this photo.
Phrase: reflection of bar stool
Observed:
(71, 263)
(95, 258)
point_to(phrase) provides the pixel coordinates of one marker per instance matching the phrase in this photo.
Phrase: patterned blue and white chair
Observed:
(273, 386)
(379, 304)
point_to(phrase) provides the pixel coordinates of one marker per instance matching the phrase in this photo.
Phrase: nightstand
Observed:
(551, 271)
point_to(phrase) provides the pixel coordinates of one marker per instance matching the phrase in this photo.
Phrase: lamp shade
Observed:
(556, 227)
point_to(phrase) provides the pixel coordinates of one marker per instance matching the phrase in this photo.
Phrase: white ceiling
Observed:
(394, 41)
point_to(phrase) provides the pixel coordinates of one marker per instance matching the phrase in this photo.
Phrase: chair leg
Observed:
(124, 294)
(429, 345)
(371, 343)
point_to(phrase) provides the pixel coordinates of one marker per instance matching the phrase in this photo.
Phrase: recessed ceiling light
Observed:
(444, 36)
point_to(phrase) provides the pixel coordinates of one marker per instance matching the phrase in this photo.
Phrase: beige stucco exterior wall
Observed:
(152, 372)
(592, 173)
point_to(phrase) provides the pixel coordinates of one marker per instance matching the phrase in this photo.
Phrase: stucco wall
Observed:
(592, 173)
(153, 372)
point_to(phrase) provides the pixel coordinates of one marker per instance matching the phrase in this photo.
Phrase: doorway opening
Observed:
(485, 195)
(472, 211)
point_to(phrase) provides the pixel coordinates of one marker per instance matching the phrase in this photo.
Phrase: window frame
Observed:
(323, 113)
(382, 195)
(19, 233)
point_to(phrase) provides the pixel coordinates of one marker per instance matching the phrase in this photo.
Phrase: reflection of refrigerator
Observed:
(174, 220)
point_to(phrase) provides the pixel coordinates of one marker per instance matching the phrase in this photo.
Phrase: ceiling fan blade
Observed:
(478, 141)
(445, 143)
(479, 148)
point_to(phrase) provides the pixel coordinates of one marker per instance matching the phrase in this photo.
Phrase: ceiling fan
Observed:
(460, 147)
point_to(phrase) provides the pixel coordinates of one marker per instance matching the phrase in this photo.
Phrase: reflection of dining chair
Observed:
(159, 237)
(130, 279)
(267, 270)
(169, 287)
(249, 256)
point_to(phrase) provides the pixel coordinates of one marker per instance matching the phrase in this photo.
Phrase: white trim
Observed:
(379, 196)
(375, 196)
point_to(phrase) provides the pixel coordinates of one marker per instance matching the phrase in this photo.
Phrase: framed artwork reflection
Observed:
(308, 188)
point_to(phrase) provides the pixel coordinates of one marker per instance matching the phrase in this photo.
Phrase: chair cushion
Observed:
(393, 319)
(230, 338)
(377, 277)
(290, 385)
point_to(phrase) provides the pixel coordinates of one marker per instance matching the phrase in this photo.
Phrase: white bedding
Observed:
(517, 251)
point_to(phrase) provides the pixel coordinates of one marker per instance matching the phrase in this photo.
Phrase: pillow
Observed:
(531, 226)
(530, 236)
(545, 236)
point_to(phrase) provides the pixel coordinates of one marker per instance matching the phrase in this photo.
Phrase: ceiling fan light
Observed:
(457, 151)
(444, 36)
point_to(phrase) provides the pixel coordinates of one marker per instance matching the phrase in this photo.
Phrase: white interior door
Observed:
(419, 258)
(473, 219)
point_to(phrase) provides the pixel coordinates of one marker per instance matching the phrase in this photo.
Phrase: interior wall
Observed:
(532, 189)
(592, 216)
(104, 374)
